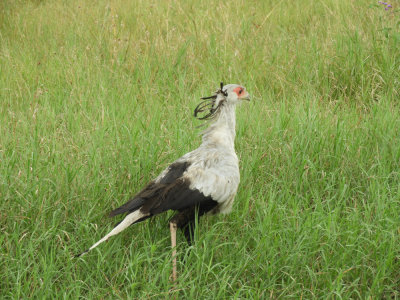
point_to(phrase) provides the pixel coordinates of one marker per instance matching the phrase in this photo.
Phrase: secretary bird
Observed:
(202, 181)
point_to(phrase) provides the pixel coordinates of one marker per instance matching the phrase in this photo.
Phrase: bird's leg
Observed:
(173, 227)
(188, 230)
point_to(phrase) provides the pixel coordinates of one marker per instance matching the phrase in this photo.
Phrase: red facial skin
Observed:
(239, 91)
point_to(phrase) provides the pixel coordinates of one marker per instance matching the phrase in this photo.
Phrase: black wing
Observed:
(170, 192)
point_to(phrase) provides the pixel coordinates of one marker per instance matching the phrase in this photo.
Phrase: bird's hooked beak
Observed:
(246, 96)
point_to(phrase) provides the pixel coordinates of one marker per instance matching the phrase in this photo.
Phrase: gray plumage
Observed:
(204, 180)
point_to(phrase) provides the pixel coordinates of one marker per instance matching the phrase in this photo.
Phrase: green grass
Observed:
(96, 98)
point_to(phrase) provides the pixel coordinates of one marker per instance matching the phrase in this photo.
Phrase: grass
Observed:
(96, 99)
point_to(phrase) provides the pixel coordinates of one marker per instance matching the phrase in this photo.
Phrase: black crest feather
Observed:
(208, 105)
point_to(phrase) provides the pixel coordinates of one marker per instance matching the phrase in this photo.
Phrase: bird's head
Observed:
(229, 94)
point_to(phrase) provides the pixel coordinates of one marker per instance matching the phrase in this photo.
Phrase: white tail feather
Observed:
(129, 219)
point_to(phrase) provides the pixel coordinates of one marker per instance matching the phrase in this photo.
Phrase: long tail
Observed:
(129, 220)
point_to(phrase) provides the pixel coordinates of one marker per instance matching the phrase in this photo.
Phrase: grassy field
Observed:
(96, 98)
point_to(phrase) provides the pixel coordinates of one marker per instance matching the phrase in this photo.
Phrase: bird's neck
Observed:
(221, 131)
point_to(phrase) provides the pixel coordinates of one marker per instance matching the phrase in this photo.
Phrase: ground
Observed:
(96, 98)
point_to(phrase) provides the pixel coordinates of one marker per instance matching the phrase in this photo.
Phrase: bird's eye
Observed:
(239, 91)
